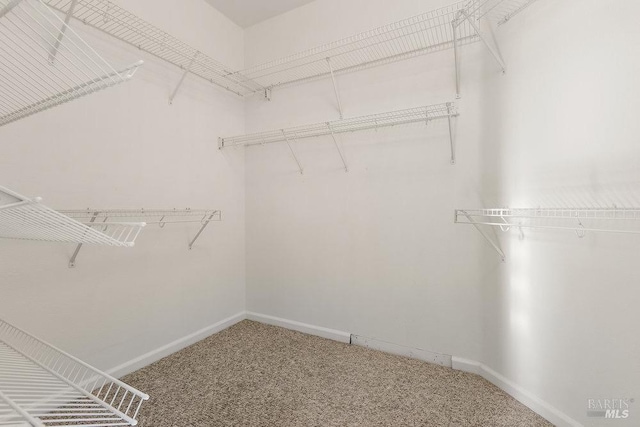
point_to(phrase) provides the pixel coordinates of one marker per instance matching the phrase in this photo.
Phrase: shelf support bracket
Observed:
(67, 19)
(451, 143)
(204, 225)
(335, 141)
(72, 261)
(335, 88)
(267, 94)
(495, 51)
(456, 58)
(184, 76)
(9, 7)
(484, 234)
(286, 138)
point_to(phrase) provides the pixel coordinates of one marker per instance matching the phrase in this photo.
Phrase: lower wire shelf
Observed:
(578, 220)
(41, 386)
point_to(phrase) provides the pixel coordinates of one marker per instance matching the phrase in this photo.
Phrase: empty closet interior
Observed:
(319, 212)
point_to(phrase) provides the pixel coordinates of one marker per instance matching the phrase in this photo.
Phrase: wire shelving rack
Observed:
(125, 26)
(41, 385)
(437, 30)
(44, 63)
(578, 220)
(28, 219)
(100, 218)
(375, 121)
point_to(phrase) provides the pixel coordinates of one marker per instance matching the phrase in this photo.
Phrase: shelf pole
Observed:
(72, 261)
(207, 221)
(335, 141)
(454, 25)
(493, 49)
(335, 88)
(484, 234)
(63, 29)
(292, 152)
(9, 7)
(184, 76)
(451, 143)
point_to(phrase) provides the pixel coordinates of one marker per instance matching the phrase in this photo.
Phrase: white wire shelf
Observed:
(125, 26)
(44, 63)
(41, 385)
(578, 220)
(422, 34)
(375, 121)
(27, 219)
(100, 217)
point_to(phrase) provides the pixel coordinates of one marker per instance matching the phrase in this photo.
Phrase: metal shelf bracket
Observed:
(335, 88)
(495, 245)
(184, 76)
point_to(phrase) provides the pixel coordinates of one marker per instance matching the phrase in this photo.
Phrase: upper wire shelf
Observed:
(426, 33)
(44, 63)
(578, 220)
(41, 386)
(117, 22)
(26, 219)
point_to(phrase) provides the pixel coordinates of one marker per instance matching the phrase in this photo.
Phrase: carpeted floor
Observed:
(258, 375)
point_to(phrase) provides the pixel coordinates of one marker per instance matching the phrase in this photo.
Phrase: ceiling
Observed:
(246, 13)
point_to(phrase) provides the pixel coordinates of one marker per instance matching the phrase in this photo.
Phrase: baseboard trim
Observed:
(537, 405)
(400, 350)
(332, 334)
(177, 345)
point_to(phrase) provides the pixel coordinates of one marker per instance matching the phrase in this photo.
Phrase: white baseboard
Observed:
(319, 331)
(537, 405)
(400, 350)
(177, 345)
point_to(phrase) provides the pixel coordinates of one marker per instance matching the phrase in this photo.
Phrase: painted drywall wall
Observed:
(126, 147)
(374, 251)
(561, 132)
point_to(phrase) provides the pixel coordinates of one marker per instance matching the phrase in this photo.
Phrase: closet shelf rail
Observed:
(41, 385)
(44, 63)
(578, 220)
(422, 115)
(434, 31)
(28, 219)
(100, 217)
(127, 27)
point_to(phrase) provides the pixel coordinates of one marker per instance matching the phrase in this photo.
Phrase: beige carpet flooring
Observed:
(258, 375)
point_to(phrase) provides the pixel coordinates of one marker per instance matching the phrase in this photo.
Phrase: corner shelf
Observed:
(578, 220)
(446, 28)
(125, 26)
(375, 121)
(44, 63)
(26, 219)
(100, 217)
(40, 385)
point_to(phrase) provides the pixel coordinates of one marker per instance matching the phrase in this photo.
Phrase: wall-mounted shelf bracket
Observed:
(284, 134)
(63, 29)
(484, 234)
(492, 47)
(450, 114)
(335, 88)
(335, 141)
(184, 76)
(267, 94)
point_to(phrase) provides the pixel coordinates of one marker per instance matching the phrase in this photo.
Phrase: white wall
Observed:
(374, 252)
(562, 130)
(125, 147)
